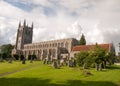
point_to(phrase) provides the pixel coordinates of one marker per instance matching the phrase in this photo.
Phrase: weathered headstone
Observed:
(61, 62)
(47, 62)
(104, 65)
(31, 60)
(58, 62)
(70, 63)
(85, 66)
(74, 63)
(55, 65)
(100, 67)
(44, 61)
(10, 60)
(23, 61)
(97, 66)
(1, 59)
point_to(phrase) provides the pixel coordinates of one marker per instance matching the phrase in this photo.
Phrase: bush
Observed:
(16, 56)
(92, 65)
(22, 57)
(29, 57)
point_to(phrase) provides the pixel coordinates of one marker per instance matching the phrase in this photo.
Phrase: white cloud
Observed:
(97, 19)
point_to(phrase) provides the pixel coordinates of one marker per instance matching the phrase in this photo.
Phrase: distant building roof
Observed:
(89, 47)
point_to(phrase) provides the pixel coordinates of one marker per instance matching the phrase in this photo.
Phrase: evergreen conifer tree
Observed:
(82, 40)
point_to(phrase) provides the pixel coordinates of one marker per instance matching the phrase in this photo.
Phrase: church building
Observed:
(53, 49)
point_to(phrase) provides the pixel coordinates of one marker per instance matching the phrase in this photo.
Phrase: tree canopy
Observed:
(82, 40)
(7, 48)
(97, 56)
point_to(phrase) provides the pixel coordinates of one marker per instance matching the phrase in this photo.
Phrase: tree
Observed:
(7, 48)
(4, 55)
(110, 57)
(99, 56)
(82, 40)
(81, 58)
(90, 61)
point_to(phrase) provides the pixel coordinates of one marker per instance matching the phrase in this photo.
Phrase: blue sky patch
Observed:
(24, 6)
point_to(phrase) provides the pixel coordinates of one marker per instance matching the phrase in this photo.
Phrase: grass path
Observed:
(19, 70)
(9, 68)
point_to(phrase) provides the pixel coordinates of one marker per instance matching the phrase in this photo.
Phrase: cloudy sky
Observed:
(99, 20)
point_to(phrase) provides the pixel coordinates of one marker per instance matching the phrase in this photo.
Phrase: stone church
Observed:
(54, 49)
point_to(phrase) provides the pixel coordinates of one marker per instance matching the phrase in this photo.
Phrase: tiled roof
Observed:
(89, 47)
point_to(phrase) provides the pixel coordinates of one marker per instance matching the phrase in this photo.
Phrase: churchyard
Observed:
(39, 74)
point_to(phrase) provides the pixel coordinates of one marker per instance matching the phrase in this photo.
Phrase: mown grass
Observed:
(15, 65)
(45, 75)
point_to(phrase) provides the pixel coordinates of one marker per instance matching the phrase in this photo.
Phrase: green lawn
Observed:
(45, 75)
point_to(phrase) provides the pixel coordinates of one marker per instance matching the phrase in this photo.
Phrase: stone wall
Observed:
(50, 49)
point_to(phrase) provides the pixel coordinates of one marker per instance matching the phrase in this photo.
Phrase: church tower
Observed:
(24, 36)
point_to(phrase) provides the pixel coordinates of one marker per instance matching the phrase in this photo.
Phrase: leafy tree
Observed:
(90, 61)
(97, 57)
(4, 55)
(81, 58)
(99, 54)
(85, 59)
(7, 48)
(110, 58)
(102, 56)
(82, 40)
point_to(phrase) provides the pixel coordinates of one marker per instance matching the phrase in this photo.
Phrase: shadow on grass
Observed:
(47, 82)
(113, 67)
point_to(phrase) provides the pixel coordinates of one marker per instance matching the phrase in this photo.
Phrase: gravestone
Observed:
(55, 65)
(1, 59)
(74, 63)
(97, 66)
(23, 61)
(44, 61)
(100, 67)
(70, 63)
(10, 60)
(31, 60)
(85, 66)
